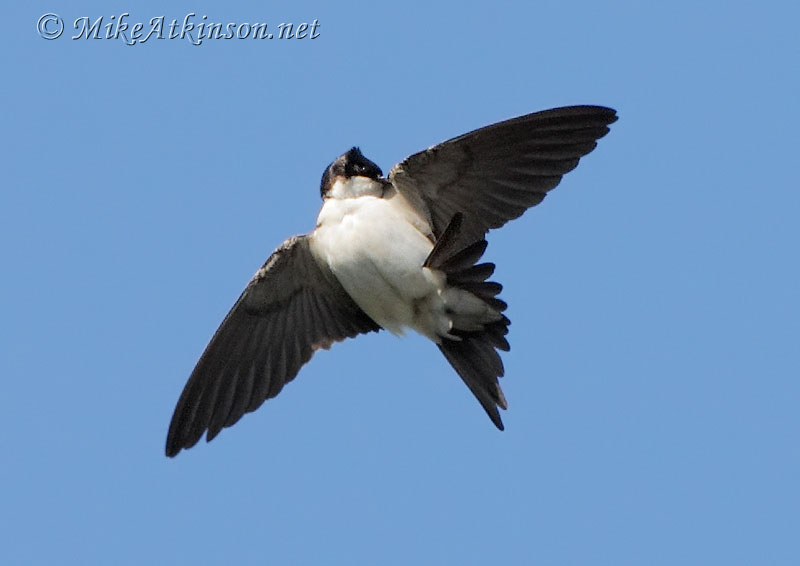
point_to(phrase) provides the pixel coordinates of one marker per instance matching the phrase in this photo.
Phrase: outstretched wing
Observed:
(291, 308)
(492, 175)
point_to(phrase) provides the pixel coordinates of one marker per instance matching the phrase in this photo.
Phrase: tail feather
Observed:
(479, 367)
(444, 246)
(475, 274)
(485, 289)
(473, 353)
(465, 258)
(496, 334)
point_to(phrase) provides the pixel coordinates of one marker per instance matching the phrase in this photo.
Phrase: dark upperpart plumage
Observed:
(350, 164)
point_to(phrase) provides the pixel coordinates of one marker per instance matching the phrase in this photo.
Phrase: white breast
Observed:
(376, 247)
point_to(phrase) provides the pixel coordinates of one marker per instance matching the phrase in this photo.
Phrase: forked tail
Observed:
(474, 354)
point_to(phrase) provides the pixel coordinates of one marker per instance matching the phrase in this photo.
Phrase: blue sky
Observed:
(653, 377)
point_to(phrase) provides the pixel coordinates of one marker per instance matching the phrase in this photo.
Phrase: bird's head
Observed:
(351, 175)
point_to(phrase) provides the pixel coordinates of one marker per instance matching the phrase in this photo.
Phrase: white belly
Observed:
(375, 248)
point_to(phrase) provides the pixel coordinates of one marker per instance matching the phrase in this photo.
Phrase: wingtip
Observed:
(174, 444)
(609, 115)
(612, 114)
(169, 448)
(606, 113)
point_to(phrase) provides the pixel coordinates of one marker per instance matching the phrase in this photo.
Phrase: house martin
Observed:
(392, 253)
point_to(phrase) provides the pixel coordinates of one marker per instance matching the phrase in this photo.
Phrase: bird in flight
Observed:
(392, 253)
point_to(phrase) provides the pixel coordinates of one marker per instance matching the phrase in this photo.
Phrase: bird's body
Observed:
(390, 253)
(375, 245)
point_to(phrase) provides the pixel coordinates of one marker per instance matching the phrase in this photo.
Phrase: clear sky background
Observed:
(653, 377)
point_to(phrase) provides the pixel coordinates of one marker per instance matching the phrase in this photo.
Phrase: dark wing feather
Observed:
(492, 175)
(291, 308)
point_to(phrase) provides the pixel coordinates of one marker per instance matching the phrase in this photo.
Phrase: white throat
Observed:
(355, 187)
